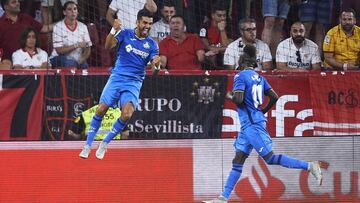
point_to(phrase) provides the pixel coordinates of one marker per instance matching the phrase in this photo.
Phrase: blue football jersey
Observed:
(254, 87)
(133, 54)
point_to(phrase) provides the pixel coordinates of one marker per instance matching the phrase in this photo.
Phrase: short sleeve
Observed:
(198, 44)
(120, 36)
(87, 37)
(267, 86)
(16, 58)
(229, 57)
(267, 53)
(239, 82)
(316, 57)
(329, 42)
(281, 52)
(57, 36)
(163, 48)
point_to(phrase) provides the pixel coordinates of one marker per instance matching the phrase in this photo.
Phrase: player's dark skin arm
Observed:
(273, 98)
(236, 96)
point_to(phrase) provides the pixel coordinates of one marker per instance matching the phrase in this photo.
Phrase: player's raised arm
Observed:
(111, 41)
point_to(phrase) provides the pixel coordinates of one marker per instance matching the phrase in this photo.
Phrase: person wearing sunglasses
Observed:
(247, 28)
(297, 53)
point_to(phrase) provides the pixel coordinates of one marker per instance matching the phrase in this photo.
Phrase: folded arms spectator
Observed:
(71, 40)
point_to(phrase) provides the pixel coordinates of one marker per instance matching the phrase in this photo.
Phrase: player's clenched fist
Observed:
(117, 24)
(156, 60)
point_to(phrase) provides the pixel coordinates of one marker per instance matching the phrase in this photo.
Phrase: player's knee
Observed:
(101, 109)
(269, 158)
(240, 158)
(126, 114)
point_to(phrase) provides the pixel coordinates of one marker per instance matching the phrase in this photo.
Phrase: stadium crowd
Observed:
(292, 35)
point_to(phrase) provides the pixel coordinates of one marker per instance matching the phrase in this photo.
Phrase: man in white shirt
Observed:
(71, 40)
(248, 36)
(298, 53)
(126, 11)
(161, 28)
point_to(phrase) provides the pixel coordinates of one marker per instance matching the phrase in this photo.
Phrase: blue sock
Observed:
(116, 129)
(233, 178)
(94, 127)
(288, 162)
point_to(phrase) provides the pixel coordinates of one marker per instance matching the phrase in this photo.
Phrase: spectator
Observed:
(12, 24)
(341, 44)
(354, 4)
(214, 35)
(126, 10)
(161, 29)
(47, 7)
(181, 50)
(71, 40)
(4, 63)
(275, 13)
(317, 15)
(298, 53)
(233, 52)
(30, 55)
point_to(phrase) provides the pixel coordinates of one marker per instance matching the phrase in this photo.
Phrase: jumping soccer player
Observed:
(134, 50)
(248, 92)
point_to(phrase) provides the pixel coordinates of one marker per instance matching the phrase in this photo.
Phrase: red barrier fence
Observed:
(41, 105)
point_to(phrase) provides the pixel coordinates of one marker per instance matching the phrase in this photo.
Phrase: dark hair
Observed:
(218, 6)
(248, 59)
(144, 13)
(348, 10)
(168, 3)
(178, 16)
(245, 20)
(24, 36)
(67, 3)
(4, 2)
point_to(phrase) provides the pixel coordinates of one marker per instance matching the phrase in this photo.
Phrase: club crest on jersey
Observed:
(146, 45)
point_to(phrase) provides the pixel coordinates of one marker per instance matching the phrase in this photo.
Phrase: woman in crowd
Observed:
(30, 56)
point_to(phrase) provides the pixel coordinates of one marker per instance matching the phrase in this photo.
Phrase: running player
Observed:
(248, 92)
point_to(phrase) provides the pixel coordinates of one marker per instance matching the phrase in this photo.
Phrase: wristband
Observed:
(113, 31)
(345, 66)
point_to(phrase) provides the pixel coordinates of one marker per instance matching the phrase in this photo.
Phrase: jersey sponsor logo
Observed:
(299, 65)
(129, 49)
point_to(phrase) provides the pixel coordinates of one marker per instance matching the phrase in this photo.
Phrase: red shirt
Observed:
(10, 32)
(182, 56)
(211, 33)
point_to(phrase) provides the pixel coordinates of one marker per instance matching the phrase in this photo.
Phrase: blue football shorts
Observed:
(120, 90)
(255, 136)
